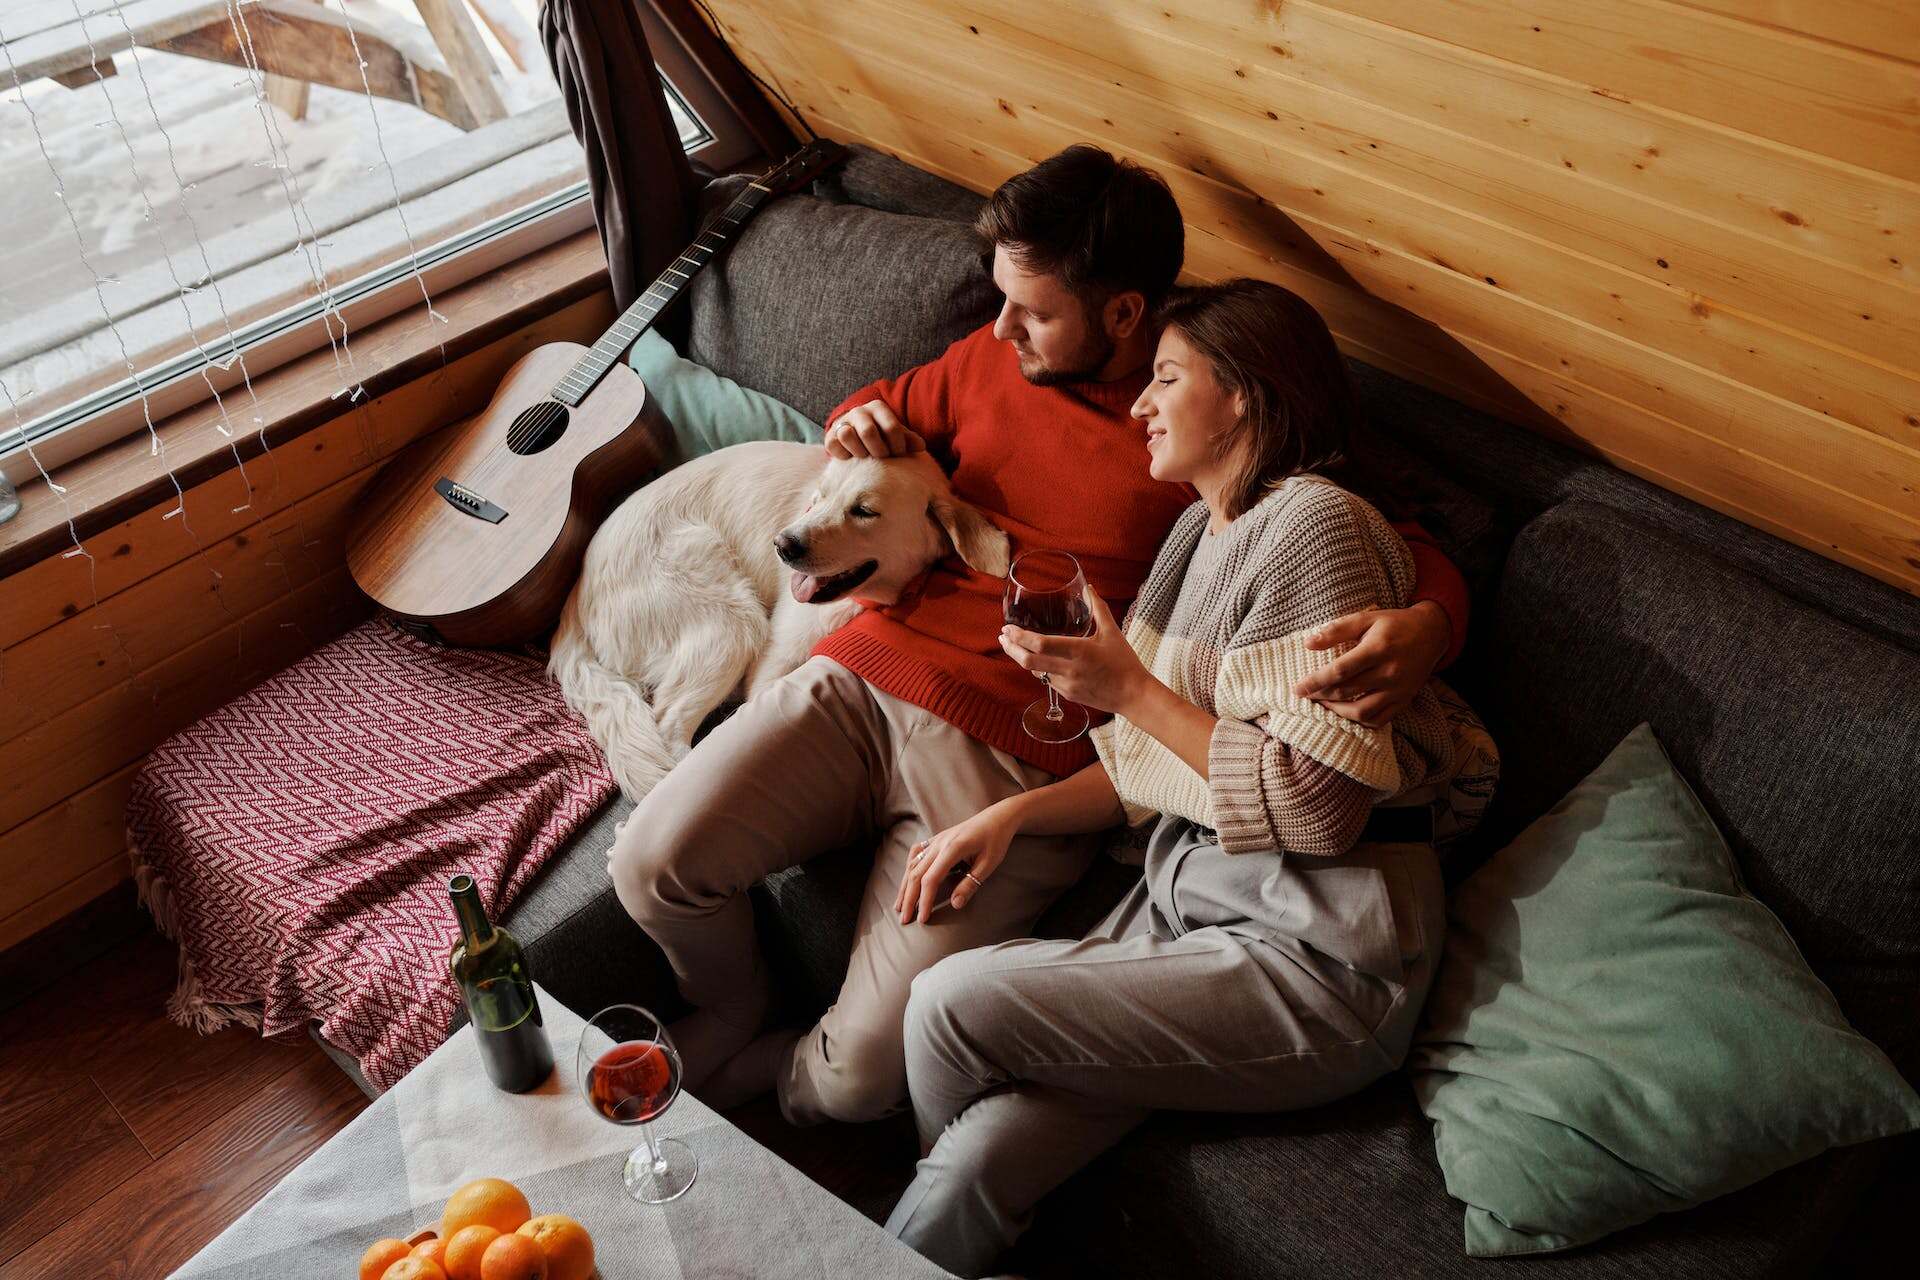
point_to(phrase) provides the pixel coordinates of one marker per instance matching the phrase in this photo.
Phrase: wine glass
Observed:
(1046, 592)
(630, 1073)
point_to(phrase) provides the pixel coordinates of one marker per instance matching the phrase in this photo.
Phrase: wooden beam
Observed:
(511, 30)
(305, 41)
(467, 58)
(65, 42)
(289, 95)
(84, 76)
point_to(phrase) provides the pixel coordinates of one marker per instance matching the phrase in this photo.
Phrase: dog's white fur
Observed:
(683, 600)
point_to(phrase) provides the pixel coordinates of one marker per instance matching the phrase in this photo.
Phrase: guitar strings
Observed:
(536, 421)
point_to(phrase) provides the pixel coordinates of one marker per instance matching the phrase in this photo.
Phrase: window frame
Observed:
(112, 413)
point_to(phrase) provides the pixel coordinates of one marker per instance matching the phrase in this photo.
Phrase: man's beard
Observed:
(1089, 360)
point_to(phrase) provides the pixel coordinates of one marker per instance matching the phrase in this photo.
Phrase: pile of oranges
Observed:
(487, 1232)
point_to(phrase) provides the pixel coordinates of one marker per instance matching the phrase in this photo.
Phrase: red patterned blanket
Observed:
(297, 843)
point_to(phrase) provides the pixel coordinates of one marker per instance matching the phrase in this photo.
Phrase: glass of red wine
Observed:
(630, 1073)
(1047, 593)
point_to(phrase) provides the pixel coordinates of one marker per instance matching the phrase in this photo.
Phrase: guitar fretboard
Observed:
(613, 344)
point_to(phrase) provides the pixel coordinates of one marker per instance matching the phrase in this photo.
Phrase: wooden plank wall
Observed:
(1683, 234)
(102, 658)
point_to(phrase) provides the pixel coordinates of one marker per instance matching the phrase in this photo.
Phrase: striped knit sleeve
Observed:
(1329, 554)
(1266, 795)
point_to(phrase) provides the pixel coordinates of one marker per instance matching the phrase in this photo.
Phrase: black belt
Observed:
(1399, 824)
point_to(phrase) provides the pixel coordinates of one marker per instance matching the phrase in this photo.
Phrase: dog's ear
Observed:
(978, 540)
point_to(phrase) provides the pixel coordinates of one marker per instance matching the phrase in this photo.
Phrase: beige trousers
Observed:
(818, 761)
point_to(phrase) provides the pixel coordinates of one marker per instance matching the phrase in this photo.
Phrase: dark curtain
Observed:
(644, 189)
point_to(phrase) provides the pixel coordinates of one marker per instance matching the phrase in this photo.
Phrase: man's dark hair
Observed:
(1100, 224)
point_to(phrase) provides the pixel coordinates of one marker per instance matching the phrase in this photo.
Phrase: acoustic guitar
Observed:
(476, 539)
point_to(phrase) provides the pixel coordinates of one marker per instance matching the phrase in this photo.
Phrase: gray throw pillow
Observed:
(1619, 1030)
(815, 300)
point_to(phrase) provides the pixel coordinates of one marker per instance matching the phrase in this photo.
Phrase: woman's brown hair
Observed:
(1300, 413)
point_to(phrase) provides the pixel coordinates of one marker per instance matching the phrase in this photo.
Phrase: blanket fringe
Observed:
(188, 1005)
(190, 1008)
(150, 883)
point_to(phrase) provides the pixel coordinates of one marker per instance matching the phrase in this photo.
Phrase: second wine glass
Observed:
(1046, 592)
(630, 1074)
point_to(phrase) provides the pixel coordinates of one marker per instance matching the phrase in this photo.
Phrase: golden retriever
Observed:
(720, 577)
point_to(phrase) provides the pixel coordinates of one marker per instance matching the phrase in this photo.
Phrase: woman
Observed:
(1277, 950)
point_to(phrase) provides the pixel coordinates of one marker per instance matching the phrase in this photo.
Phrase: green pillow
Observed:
(708, 411)
(1618, 1030)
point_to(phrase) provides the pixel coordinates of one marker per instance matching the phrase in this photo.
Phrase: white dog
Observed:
(725, 572)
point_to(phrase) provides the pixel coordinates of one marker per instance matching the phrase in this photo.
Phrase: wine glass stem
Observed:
(1053, 704)
(653, 1150)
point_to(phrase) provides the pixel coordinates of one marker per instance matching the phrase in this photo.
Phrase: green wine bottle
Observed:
(498, 990)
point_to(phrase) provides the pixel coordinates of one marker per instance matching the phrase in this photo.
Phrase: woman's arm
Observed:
(1178, 725)
(1085, 801)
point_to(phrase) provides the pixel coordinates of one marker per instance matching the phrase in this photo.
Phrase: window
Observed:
(195, 193)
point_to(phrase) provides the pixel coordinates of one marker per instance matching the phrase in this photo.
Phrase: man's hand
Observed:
(1393, 656)
(871, 431)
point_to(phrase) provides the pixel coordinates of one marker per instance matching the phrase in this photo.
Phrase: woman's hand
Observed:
(976, 847)
(1394, 654)
(1100, 671)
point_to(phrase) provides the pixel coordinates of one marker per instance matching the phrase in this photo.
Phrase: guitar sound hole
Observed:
(537, 427)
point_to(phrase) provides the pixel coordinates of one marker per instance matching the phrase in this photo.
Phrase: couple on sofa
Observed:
(1273, 711)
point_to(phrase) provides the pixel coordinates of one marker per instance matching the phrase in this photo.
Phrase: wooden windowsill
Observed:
(124, 478)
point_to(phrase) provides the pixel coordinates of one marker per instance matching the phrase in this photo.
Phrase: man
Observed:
(907, 719)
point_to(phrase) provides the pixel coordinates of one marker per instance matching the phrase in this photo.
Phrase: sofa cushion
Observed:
(1797, 731)
(707, 411)
(880, 181)
(1618, 1030)
(1351, 1191)
(817, 299)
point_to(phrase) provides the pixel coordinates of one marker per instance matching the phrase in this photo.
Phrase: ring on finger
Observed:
(978, 882)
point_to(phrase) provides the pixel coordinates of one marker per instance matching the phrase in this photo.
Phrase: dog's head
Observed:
(875, 524)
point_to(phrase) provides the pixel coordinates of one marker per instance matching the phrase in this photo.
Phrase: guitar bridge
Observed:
(464, 499)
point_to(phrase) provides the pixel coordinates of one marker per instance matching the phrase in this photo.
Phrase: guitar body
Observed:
(478, 538)
(443, 561)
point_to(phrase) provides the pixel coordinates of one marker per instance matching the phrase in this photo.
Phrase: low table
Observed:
(390, 1170)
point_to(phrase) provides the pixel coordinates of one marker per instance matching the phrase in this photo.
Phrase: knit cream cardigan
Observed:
(1306, 554)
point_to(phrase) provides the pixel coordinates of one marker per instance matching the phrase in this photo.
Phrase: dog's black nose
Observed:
(788, 547)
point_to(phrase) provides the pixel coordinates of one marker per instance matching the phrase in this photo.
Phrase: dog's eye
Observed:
(863, 511)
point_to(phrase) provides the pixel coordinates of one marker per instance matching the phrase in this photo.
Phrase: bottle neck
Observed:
(475, 930)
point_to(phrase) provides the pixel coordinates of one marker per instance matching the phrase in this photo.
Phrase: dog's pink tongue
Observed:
(804, 585)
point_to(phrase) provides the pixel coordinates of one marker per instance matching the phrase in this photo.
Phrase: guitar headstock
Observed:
(803, 166)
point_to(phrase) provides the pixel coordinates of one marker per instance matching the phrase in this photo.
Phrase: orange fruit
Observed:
(513, 1258)
(464, 1249)
(491, 1201)
(568, 1247)
(434, 1251)
(380, 1255)
(414, 1267)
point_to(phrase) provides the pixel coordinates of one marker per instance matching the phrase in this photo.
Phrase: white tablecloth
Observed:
(389, 1172)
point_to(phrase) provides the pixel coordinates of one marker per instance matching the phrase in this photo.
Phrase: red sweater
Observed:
(1062, 467)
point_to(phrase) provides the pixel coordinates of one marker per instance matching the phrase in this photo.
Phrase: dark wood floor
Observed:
(127, 1143)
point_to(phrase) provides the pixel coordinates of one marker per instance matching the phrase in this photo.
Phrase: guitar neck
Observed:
(615, 342)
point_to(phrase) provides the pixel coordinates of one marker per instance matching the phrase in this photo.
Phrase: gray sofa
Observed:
(1785, 687)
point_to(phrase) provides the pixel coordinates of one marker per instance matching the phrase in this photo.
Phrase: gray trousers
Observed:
(1028, 1059)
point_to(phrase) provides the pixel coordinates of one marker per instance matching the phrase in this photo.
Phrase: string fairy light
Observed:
(225, 425)
(306, 238)
(157, 448)
(380, 141)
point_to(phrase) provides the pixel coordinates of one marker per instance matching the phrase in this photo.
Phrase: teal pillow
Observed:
(707, 411)
(1618, 1030)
